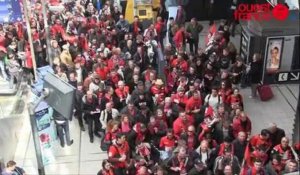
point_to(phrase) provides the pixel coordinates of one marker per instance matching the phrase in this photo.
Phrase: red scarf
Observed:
(20, 31)
(222, 149)
(135, 28)
(140, 135)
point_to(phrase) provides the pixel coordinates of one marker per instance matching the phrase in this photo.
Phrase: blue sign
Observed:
(10, 11)
(41, 73)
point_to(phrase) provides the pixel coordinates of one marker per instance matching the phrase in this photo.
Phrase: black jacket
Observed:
(277, 136)
(239, 149)
(78, 100)
(87, 107)
(256, 72)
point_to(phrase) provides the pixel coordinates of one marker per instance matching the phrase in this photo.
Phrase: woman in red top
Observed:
(225, 91)
(126, 125)
(235, 99)
(113, 128)
(107, 168)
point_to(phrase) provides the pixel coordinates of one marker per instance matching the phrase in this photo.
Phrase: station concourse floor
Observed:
(85, 158)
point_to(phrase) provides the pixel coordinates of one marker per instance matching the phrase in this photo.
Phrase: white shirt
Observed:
(204, 156)
(213, 101)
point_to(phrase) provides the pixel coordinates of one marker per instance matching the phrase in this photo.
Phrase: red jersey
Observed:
(193, 104)
(166, 142)
(117, 151)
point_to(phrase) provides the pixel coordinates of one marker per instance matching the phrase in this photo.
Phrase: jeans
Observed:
(61, 130)
(192, 42)
(119, 171)
(13, 78)
(78, 114)
(94, 124)
(2, 68)
(253, 90)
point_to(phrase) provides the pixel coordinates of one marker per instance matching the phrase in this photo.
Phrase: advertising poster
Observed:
(46, 131)
(274, 54)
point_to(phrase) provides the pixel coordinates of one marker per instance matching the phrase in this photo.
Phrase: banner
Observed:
(46, 131)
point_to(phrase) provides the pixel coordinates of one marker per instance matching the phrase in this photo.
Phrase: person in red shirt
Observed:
(180, 63)
(158, 91)
(114, 77)
(193, 107)
(180, 98)
(118, 154)
(113, 128)
(107, 168)
(57, 29)
(224, 91)
(115, 60)
(235, 99)
(241, 123)
(172, 78)
(168, 142)
(102, 70)
(193, 104)
(190, 138)
(179, 38)
(258, 146)
(261, 140)
(122, 92)
(257, 168)
(283, 150)
(159, 26)
(181, 124)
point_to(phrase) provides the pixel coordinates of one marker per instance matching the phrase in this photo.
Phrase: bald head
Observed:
(242, 136)
(272, 127)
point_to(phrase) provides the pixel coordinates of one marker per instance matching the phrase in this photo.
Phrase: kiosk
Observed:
(144, 9)
(276, 41)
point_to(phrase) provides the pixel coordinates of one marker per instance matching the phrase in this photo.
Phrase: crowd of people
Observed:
(188, 121)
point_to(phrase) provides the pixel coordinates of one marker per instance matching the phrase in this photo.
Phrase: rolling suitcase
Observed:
(265, 92)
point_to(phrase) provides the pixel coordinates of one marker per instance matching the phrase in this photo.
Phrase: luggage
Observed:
(265, 92)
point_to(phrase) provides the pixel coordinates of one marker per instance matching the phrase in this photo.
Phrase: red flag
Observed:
(247, 156)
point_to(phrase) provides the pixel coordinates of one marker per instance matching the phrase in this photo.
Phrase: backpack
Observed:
(104, 144)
